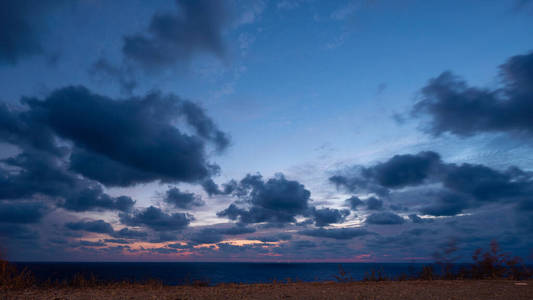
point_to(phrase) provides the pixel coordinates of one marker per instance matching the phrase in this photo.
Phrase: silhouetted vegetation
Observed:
(11, 278)
(489, 264)
(343, 276)
(374, 275)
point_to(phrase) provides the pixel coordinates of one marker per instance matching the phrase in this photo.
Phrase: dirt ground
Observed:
(408, 290)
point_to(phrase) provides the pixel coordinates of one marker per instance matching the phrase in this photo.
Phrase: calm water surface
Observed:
(180, 273)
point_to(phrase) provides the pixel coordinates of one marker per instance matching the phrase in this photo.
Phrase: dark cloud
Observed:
(34, 173)
(106, 170)
(126, 233)
(95, 199)
(206, 236)
(17, 232)
(418, 220)
(21, 212)
(89, 244)
(301, 245)
(335, 233)
(384, 218)
(102, 128)
(215, 235)
(373, 203)
(448, 188)
(486, 184)
(276, 200)
(397, 172)
(327, 216)
(156, 219)
(272, 238)
(73, 131)
(203, 125)
(176, 37)
(447, 204)
(98, 226)
(21, 28)
(20, 128)
(211, 188)
(237, 230)
(179, 246)
(165, 236)
(31, 173)
(181, 199)
(352, 180)
(411, 241)
(452, 106)
(403, 170)
(353, 202)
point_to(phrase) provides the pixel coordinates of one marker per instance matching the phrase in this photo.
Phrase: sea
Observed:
(212, 273)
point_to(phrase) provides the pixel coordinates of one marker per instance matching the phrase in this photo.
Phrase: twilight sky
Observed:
(257, 130)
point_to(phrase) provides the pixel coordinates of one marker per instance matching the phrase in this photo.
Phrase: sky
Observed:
(263, 130)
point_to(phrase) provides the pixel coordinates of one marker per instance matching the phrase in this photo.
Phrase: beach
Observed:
(394, 290)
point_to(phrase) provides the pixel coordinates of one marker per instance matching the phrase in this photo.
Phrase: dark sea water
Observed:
(214, 273)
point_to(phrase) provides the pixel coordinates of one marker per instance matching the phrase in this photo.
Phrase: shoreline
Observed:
(401, 290)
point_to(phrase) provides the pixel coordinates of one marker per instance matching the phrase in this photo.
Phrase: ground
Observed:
(408, 290)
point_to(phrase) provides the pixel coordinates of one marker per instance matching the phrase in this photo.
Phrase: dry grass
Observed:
(393, 290)
(11, 278)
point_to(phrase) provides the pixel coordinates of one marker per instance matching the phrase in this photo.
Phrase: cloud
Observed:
(17, 232)
(22, 213)
(38, 173)
(384, 218)
(98, 226)
(215, 235)
(95, 199)
(374, 203)
(203, 125)
(126, 233)
(272, 238)
(448, 188)
(353, 202)
(336, 233)
(197, 26)
(327, 216)
(276, 200)
(206, 236)
(397, 172)
(181, 199)
(43, 174)
(486, 184)
(154, 218)
(211, 188)
(100, 130)
(21, 28)
(418, 220)
(447, 204)
(412, 240)
(31, 174)
(18, 128)
(90, 244)
(403, 170)
(103, 127)
(450, 105)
